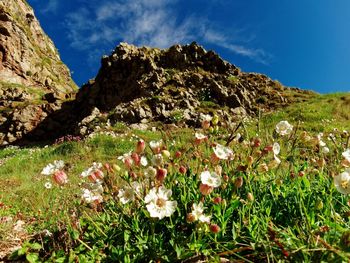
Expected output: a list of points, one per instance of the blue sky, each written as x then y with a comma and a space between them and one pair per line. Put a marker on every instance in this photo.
301, 43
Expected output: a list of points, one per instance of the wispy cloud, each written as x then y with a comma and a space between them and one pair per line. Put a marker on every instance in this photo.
223, 41
51, 6
155, 23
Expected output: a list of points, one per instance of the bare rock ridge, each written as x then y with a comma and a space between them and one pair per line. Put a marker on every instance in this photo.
141, 85
149, 84
33, 80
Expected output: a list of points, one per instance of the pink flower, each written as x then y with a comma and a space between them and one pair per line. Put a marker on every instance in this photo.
60, 177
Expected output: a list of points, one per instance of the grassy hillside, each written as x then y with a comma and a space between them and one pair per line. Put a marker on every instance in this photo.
262, 210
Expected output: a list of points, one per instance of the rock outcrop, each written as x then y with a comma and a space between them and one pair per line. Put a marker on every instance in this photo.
139, 85
33, 80
27, 55
136, 85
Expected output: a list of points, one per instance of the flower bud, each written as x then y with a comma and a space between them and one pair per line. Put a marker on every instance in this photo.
178, 154
250, 160
225, 177
239, 182
108, 167
136, 158
116, 167
95, 176
217, 200
128, 162
165, 153
267, 149
214, 228
319, 204
215, 120
321, 162
250, 197
214, 159
60, 177
182, 169
140, 146
161, 174
205, 125
205, 189
218, 169
263, 168
256, 143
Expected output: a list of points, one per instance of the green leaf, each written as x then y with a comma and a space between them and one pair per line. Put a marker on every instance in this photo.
35, 246
32, 257
75, 234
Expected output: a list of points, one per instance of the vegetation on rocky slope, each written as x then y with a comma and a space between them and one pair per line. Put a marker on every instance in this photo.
275, 197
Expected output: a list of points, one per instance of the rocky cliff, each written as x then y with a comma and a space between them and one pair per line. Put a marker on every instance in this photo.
141, 85
148, 84
33, 80
27, 55
134, 85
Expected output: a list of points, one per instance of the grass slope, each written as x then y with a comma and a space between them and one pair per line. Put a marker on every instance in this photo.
290, 213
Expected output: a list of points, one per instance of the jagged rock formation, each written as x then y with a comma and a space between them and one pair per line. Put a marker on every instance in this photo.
27, 55
33, 80
147, 84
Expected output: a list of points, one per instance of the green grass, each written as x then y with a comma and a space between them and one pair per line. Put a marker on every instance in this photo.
290, 213
317, 114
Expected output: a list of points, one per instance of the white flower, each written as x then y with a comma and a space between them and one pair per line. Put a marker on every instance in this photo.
90, 196
93, 171
144, 161
284, 128
200, 136
276, 148
319, 139
223, 152
126, 195
48, 185
96, 187
342, 182
52, 168
48, 169
211, 179
157, 159
125, 156
137, 187
150, 172
158, 204
325, 150
346, 155
155, 144
197, 212
205, 117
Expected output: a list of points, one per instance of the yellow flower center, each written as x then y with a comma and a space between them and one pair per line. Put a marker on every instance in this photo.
161, 202
344, 184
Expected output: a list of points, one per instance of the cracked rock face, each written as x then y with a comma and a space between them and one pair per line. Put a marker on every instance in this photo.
141, 84
27, 55
33, 80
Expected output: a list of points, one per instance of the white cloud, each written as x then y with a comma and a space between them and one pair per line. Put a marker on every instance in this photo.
152, 23
221, 40
51, 6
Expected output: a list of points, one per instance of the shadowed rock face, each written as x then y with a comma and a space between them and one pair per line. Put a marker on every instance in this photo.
27, 55
33, 80
142, 85
147, 84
